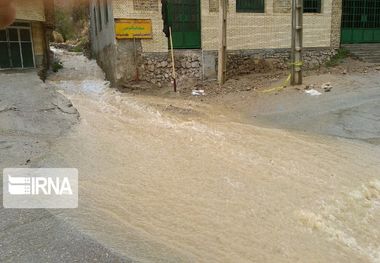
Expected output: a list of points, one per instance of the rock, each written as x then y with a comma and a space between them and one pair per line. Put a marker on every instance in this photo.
164, 64
57, 37
195, 64
327, 87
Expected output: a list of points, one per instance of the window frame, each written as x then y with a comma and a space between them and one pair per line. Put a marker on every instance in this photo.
310, 10
20, 26
260, 10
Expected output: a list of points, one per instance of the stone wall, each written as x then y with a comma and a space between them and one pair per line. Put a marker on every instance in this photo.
157, 67
257, 61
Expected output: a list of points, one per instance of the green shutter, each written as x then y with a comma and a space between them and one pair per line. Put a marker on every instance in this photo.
312, 6
4, 55
250, 6
361, 21
184, 18
16, 49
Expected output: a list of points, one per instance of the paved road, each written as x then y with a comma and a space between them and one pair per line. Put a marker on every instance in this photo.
350, 110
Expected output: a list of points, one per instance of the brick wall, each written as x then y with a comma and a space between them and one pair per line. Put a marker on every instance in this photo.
282, 6
30, 10
336, 23
267, 30
125, 9
145, 5
214, 5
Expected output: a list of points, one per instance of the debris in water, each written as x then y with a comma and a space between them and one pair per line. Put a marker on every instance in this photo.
198, 92
327, 87
313, 92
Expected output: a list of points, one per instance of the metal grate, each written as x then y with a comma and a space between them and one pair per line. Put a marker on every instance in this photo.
312, 6
250, 6
361, 14
184, 18
361, 21
16, 47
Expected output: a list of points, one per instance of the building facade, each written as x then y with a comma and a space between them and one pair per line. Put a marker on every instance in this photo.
258, 36
24, 44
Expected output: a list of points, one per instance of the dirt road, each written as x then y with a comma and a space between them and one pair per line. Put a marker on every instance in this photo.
167, 180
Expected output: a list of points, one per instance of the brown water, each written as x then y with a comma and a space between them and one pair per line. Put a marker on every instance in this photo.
200, 186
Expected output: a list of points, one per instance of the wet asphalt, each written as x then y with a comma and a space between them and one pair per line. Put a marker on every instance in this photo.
350, 110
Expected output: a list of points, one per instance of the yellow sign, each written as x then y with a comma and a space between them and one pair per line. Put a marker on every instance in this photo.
133, 28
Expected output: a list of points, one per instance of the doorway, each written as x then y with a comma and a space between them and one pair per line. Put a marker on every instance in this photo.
184, 16
361, 21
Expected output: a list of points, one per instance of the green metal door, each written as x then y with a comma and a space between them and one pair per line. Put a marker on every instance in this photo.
184, 18
361, 21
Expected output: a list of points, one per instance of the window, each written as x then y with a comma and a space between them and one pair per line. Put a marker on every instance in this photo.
16, 47
100, 16
312, 6
106, 11
250, 6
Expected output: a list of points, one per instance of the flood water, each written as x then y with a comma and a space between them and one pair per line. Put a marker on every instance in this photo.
201, 186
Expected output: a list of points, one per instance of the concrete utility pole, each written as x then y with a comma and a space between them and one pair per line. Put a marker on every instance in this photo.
222, 56
297, 37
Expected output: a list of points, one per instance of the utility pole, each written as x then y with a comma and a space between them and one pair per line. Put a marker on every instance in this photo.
222, 56
297, 39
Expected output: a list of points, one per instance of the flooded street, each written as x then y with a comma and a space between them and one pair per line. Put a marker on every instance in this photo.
171, 180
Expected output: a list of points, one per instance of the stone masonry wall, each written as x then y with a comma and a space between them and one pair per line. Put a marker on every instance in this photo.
270, 60
157, 67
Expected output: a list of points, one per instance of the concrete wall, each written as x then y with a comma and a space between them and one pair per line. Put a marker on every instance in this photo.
101, 39
245, 30
30, 10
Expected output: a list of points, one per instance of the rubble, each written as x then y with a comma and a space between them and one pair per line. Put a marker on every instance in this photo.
327, 87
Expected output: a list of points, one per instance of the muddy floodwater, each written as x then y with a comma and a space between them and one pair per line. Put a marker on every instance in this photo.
169, 180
